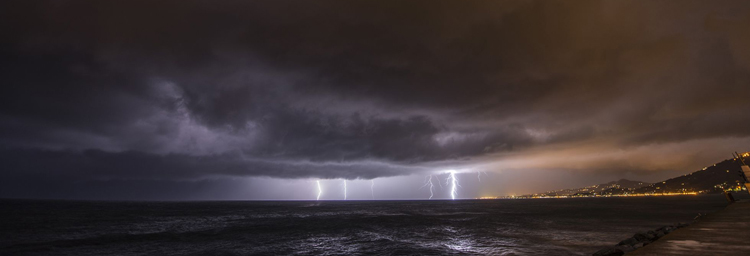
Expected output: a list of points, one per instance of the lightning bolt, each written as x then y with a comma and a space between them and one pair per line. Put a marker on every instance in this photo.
372, 188
320, 191
344, 189
479, 175
454, 183
428, 181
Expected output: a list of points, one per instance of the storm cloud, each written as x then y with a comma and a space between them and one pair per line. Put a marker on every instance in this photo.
181, 91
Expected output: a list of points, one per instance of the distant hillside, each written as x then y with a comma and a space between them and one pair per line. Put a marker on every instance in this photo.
620, 186
725, 175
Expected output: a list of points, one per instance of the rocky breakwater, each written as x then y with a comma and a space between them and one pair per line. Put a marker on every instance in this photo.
638, 240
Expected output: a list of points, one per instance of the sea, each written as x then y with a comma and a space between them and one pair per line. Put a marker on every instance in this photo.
572, 226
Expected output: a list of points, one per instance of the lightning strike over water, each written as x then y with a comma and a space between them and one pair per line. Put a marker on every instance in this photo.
372, 188
479, 175
344, 189
454, 184
320, 191
428, 181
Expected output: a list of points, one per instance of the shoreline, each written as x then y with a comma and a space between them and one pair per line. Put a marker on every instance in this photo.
641, 239
724, 232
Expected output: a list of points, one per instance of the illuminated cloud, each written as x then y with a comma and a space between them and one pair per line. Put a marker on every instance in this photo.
190, 92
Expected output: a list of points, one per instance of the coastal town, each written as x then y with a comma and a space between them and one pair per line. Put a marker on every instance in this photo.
725, 176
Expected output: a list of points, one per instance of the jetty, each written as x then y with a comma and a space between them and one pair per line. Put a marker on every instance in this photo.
726, 232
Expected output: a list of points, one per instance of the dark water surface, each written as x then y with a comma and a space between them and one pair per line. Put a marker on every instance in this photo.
497, 227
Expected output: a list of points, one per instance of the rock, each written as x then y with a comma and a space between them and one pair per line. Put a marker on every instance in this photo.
669, 229
641, 237
680, 225
639, 240
609, 251
629, 241
625, 248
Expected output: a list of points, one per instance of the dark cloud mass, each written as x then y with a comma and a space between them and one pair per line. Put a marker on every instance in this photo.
185, 92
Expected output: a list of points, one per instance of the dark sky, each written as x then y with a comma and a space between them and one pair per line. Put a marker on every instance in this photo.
259, 99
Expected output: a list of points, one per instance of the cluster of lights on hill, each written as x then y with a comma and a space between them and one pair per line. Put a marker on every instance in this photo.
576, 196
725, 176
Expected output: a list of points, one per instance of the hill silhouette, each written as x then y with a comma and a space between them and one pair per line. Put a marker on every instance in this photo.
722, 176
